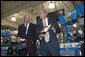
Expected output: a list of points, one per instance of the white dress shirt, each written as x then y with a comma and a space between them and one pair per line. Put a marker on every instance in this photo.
27, 27
47, 34
46, 20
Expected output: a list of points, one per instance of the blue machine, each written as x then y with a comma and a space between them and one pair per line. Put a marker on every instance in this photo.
70, 49
5, 33
70, 18
72, 15
5, 46
4, 51
80, 9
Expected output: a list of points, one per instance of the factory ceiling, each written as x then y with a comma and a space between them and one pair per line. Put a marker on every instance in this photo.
19, 8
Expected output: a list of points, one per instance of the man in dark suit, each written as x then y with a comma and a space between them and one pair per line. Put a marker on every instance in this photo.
27, 31
49, 45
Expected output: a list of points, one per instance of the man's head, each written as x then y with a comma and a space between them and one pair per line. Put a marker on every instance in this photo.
27, 18
43, 14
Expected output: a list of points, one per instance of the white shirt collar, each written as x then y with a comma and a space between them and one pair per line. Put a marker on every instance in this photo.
27, 24
45, 19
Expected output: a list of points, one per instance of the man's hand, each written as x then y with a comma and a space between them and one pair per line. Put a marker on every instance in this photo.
42, 35
18, 39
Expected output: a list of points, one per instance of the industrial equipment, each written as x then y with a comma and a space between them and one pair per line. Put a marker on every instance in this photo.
69, 48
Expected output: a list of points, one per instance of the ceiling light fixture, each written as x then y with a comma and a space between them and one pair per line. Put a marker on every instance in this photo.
13, 19
15, 31
51, 5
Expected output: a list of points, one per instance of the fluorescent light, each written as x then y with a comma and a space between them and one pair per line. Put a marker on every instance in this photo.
16, 31
13, 19
74, 25
51, 5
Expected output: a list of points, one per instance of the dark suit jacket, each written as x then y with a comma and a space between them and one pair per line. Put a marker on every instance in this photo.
53, 38
30, 33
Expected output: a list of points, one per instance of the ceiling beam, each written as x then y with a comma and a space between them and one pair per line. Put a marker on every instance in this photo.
63, 4
23, 7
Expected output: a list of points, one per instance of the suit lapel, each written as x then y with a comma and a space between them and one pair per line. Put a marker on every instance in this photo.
24, 28
41, 24
49, 22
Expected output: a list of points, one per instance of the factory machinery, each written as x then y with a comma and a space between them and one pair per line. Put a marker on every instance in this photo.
7, 48
72, 46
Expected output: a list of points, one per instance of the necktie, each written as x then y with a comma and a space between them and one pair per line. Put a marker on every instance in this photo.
47, 34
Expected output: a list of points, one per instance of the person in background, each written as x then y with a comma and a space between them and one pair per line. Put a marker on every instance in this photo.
49, 45
27, 31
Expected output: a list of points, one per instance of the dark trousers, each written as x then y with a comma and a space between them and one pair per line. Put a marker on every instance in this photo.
47, 49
